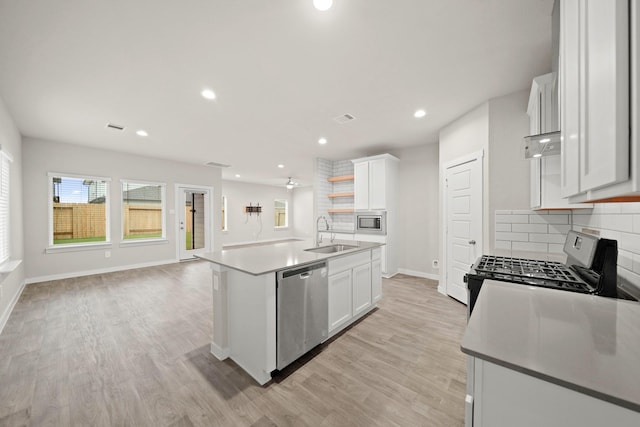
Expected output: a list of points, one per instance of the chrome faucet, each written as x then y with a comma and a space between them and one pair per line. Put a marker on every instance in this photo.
326, 224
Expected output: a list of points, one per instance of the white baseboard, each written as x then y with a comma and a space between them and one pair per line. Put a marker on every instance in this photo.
9, 309
219, 352
419, 274
69, 275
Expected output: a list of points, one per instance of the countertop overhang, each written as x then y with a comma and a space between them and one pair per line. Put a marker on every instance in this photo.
587, 343
263, 259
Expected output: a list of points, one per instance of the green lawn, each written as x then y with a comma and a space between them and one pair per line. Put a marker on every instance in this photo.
188, 240
143, 236
82, 240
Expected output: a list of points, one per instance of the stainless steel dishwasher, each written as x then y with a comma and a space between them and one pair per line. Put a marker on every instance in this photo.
302, 311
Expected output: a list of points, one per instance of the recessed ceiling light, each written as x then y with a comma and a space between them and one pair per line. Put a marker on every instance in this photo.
142, 132
537, 155
237, 175
322, 4
322, 141
281, 166
545, 140
419, 113
208, 94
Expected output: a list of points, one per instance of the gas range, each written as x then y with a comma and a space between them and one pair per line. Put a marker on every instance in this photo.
591, 268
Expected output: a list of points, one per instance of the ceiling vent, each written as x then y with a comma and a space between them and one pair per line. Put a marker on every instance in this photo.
344, 118
217, 165
114, 127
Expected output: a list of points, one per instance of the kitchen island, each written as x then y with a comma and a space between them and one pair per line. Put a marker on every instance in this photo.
547, 357
245, 303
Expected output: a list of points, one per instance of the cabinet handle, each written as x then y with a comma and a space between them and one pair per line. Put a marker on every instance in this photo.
472, 242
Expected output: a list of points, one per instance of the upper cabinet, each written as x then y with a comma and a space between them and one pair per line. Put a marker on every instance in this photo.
374, 180
598, 48
545, 171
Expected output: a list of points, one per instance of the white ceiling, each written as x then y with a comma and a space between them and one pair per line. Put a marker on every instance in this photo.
281, 71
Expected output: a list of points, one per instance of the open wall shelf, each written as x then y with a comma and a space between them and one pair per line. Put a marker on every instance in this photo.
341, 210
340, 178
335, 195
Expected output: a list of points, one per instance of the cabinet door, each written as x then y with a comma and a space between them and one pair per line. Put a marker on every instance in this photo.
361, 288
604, 158
594, 46
339, 299
377, 185
376, 281
570, 96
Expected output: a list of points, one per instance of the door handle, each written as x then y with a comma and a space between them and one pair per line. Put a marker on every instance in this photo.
472, 242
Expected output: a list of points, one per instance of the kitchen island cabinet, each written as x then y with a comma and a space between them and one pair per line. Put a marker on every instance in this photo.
245, 296
543, 357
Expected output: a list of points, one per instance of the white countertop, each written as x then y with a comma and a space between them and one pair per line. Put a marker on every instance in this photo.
264, 259
586, 343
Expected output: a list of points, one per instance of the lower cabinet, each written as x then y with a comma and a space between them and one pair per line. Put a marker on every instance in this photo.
504, 397
340, 306
355, 285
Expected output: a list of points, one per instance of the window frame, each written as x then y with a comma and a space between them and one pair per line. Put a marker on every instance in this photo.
163, 196
5, 223
225, 214
71, 247
286, 214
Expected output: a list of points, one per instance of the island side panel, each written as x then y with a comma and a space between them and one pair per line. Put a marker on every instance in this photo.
220, 340
251, 309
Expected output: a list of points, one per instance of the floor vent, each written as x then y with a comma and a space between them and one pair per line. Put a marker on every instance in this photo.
115, 127
344, 118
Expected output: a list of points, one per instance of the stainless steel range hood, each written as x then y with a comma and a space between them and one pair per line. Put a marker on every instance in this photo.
544, 144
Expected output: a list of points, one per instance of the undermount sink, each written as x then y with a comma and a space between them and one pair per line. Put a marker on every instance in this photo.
331, 249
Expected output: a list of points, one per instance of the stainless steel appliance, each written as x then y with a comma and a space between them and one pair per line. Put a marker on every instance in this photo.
591, 268
302, 311
371, 222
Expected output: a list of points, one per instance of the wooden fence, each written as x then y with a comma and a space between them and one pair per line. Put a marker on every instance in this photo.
87, 221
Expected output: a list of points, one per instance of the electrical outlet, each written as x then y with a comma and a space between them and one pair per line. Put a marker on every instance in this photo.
435, 264
107, 254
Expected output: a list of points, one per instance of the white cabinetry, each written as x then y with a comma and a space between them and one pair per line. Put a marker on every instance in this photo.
354, 288
376, 275
594, 98
545, 171
374, 182
505, 398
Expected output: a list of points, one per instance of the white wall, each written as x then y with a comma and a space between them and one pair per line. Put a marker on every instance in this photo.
303, 225
13, 282
419, 230
509, 179
244, 228
41, 157
468, 134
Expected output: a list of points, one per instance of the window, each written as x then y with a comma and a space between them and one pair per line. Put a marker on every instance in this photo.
79, 210
224, 213
5, 228
143, 211
282, 214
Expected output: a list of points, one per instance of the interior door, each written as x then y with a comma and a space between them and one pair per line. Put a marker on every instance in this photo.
463, 187
194, 219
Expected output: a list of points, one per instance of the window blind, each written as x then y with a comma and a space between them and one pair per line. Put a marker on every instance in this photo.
5, 164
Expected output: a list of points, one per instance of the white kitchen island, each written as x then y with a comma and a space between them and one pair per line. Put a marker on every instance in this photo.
244, 296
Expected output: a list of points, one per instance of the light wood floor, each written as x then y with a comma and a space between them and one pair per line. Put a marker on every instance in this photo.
132, 348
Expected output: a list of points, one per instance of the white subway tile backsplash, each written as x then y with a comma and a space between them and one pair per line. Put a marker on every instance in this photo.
530, 228
547, 238
529, 246
559, 229
630, 208
503, 227
556, 249
549, 219
514, 237
512, 219
625, 259
503, 244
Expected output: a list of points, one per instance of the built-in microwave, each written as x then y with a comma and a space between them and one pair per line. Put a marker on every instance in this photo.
371, 222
